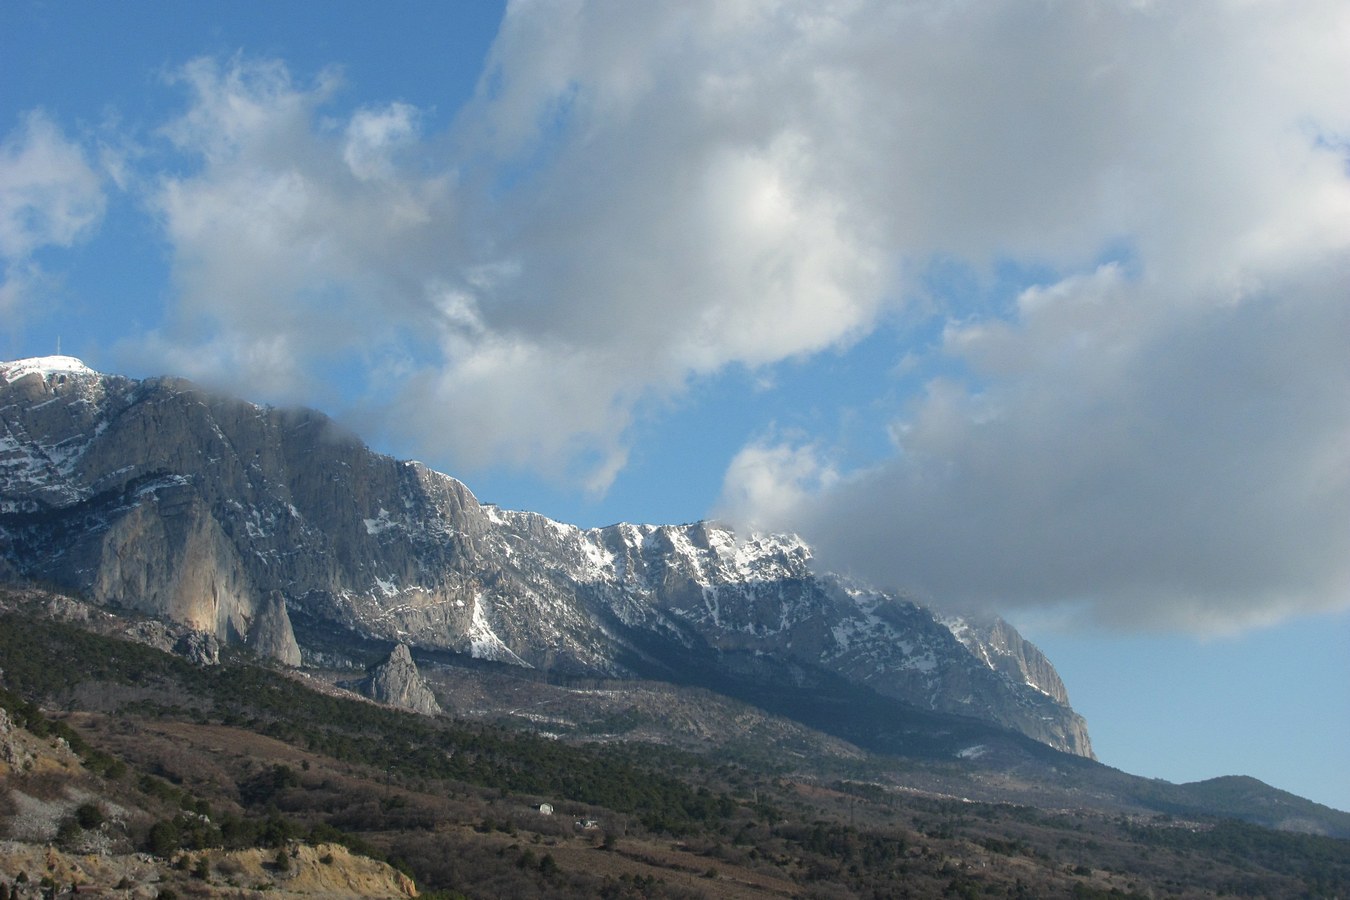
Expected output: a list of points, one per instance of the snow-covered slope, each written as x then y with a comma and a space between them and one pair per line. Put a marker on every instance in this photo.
157, 496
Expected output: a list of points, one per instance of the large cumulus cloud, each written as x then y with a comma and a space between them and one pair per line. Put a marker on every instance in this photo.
1145, 467
1161, 441
631, 200
1152, 427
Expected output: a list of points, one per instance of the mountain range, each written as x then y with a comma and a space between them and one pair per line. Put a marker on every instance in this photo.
266, 526
241, 650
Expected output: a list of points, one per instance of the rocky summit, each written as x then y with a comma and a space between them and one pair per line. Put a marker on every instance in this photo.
241, 521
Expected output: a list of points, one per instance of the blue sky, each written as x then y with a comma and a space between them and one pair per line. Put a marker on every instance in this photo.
1039, 308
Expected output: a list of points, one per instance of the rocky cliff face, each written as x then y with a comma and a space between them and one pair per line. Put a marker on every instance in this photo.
158, 497
998, 645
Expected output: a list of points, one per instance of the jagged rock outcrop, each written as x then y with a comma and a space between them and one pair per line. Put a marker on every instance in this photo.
157, 496
198, 648
271, 635
14, 756
396, 682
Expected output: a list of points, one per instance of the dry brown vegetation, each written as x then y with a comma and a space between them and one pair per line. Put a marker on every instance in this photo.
241, 780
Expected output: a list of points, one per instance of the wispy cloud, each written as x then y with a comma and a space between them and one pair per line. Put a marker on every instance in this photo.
297, 244
50, 196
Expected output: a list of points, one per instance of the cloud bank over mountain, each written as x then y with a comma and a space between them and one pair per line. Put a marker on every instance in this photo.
1129, 221
1145, 467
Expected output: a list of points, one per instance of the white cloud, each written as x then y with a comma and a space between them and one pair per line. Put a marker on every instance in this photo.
1160, 443
49, 197
644, 194
297, 245
374, 135
768, 483
1146, 467
605, 256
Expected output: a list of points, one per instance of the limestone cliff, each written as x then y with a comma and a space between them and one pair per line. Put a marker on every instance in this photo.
1004, 651
166, 555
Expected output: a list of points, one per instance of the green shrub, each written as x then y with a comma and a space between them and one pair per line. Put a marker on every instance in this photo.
163, 839
89, 816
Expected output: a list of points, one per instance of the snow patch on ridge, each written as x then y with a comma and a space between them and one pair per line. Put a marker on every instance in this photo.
766, 557
962, 631
30, 466
483, 641
380, 524
44, 366
597, 562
